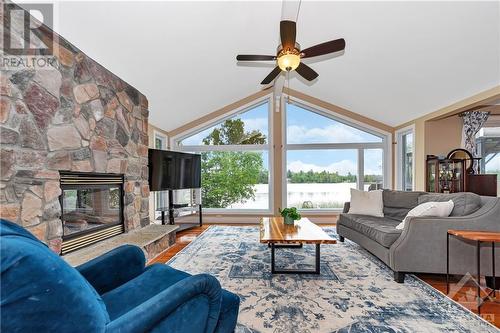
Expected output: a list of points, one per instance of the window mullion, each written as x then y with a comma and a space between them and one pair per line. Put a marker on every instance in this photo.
324, 146
361, 169
202, 148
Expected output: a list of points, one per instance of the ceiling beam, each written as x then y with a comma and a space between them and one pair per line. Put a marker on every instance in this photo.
486, 97
337, 109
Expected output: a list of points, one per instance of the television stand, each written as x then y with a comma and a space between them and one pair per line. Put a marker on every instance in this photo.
180, 208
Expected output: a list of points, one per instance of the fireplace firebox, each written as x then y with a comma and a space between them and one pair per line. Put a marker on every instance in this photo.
92, 208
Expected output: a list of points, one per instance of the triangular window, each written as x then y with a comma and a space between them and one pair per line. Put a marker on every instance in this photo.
304, 126
249, 127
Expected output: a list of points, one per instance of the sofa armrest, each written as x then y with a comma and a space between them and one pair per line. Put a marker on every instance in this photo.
162, 306
347, 206
423, 240
113, 268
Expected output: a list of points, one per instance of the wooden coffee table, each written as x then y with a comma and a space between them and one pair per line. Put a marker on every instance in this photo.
488, 237
277, 234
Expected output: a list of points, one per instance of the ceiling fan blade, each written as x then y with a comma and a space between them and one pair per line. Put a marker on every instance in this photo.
275, 72
324, 48
306, 72
254, 57
288, 33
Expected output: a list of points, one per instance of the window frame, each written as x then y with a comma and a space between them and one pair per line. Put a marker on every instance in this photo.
492, 122
176, 140
159, 196
399, 134
163, 138
385, 145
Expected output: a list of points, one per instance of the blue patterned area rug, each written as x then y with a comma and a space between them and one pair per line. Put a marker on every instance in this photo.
354, 293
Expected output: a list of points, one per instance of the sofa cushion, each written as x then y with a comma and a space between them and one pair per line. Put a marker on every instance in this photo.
380, 229
431, 208
397, 204
367, 202
465, 203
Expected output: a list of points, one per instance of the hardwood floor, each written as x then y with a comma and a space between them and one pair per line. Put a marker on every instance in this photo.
466, 296
183, 238
490, 311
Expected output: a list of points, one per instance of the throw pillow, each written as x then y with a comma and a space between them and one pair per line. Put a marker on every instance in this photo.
434, 209
367, 203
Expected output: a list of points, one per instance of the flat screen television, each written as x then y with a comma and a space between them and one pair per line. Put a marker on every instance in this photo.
172, 170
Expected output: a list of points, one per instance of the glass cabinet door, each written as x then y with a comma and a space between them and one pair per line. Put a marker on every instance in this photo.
431, 176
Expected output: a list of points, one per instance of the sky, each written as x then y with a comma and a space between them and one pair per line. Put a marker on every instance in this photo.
304, 126
493, 164
255, 119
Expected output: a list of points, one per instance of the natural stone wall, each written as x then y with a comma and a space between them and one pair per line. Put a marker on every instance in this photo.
153, 249
74, 116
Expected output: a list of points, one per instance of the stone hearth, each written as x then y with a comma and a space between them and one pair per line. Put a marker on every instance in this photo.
76, 116
152, 239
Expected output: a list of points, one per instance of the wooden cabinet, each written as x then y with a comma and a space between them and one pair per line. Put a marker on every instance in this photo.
482, 184
450, 176
445, 175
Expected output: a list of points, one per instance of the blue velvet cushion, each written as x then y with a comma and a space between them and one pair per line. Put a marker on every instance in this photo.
42, 293
228, 317
158, 278
190, 305
113, 268
151, 282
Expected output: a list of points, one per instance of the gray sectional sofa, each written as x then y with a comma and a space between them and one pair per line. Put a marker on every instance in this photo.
421, 246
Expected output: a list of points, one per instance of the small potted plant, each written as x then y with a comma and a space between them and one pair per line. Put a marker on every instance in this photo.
290, 215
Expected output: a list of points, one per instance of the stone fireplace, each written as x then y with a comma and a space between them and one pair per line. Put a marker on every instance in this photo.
75, 116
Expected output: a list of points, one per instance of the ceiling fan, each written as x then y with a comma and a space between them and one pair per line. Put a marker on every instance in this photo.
289, 55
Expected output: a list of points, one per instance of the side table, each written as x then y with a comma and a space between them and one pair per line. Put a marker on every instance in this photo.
478, 237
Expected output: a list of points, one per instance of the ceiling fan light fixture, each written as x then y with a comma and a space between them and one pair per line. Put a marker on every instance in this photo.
288, 60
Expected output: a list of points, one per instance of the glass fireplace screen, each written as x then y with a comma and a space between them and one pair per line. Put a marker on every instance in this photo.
85, 209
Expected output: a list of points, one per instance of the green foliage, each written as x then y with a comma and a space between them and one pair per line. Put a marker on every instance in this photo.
310, 176
229, 177
291, 213
232, 132
373, 178
319, 177
263, 177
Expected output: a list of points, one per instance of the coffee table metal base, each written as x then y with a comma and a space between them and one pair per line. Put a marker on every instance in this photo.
316, 269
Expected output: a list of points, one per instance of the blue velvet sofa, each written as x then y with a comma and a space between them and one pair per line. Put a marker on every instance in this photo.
116, 292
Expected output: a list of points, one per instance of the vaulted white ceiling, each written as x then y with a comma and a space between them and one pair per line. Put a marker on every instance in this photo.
402, 60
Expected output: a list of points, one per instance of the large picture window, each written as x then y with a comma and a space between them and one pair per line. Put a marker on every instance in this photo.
326, 157
404, 159
235, 160
321, 157
488, 147
320, 178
